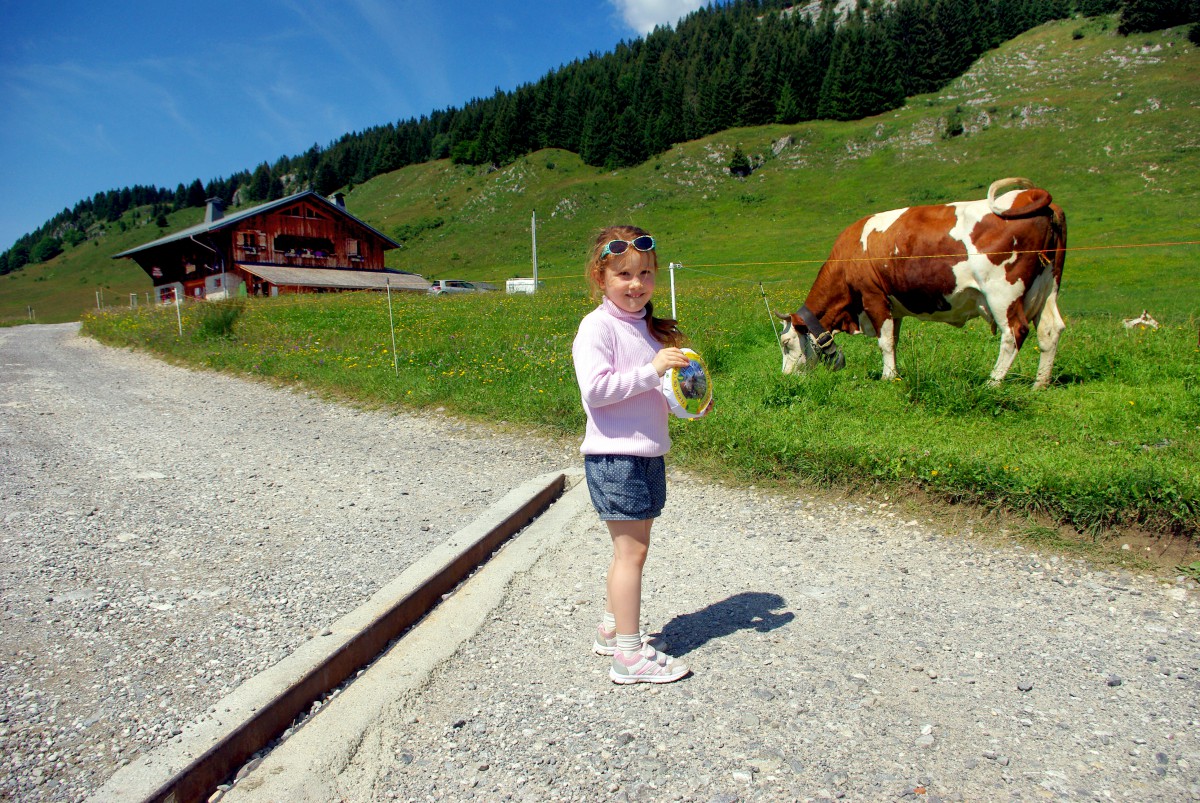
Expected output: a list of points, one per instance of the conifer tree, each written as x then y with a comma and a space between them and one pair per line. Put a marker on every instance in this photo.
1138, 16
758, 89
627, 147
596, 139
195, 194
260, 183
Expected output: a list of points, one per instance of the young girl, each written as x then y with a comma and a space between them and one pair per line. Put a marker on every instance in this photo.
621, 353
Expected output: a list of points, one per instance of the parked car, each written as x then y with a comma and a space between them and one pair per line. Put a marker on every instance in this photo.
439, 286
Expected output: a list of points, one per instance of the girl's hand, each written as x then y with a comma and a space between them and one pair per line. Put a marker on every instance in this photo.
669, 358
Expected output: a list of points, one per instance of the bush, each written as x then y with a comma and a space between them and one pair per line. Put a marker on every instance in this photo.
954, 124
217, 319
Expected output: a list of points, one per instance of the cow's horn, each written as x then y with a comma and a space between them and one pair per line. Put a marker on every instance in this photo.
1014, 181
783, 316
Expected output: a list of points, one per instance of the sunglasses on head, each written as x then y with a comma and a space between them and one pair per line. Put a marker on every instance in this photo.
643, 243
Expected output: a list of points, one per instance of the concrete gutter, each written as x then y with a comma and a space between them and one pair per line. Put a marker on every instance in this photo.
308, 767
210, 750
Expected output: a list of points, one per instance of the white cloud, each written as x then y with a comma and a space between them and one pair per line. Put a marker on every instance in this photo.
643, 15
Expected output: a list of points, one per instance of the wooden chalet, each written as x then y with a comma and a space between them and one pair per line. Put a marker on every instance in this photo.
304, 243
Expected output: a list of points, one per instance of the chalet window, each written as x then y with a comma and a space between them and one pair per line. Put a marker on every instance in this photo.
304, 211
353, 250
295, 245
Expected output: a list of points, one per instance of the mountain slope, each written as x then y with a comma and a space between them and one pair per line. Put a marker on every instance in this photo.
1108, 124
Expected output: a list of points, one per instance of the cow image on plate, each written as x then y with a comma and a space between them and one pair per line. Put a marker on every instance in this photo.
688, 389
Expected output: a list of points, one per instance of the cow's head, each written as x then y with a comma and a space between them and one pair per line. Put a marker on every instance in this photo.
801, 349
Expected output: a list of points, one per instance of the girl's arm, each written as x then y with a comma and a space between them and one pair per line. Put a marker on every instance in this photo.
600, 383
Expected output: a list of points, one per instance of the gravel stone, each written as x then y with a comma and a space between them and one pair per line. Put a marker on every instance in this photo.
167, 534
843, 649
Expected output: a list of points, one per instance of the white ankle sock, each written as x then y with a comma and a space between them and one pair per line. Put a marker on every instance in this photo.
610, 621
630, 645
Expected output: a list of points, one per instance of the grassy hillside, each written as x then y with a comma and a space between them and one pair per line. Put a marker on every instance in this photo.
1108, 124
67, 286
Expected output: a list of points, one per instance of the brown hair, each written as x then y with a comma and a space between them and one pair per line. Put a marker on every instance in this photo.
663, 330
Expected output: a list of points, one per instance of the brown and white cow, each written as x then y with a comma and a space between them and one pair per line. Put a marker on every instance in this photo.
1000, 258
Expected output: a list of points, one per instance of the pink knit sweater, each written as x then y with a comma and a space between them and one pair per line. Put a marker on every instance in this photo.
622, 396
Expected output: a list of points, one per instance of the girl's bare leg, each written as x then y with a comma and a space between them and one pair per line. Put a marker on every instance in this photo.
631, 543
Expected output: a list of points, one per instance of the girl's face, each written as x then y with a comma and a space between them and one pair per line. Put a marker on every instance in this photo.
628, 280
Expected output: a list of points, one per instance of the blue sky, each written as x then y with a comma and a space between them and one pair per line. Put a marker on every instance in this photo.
101, 96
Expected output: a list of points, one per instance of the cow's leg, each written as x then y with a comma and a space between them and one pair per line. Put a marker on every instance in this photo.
1013, 330
889, 335
1049, 325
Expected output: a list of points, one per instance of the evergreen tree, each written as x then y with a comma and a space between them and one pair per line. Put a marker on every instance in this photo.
387, 158
1094, 8
325, 178
1138, 16
195, 194
787, 110
758, 89
627, 147
596, 139
260, 183
815, 52
739, 165
18, 255
46, 249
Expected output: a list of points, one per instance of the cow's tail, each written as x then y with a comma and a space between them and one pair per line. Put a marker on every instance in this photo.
1055, 249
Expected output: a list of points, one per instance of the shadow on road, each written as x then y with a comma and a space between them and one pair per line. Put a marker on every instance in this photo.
750, 610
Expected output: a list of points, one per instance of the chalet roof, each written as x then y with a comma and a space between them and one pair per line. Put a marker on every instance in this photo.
335, 278
270, 206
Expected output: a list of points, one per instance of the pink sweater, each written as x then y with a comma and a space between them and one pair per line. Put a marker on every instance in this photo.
622, 396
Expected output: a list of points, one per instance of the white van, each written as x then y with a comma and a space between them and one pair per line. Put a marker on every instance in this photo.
521, 286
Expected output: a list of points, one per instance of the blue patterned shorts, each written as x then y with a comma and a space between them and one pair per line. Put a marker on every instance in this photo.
626, 487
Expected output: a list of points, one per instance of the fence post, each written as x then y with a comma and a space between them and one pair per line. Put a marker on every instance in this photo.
392, 326
672, 269
771, 318
178, 316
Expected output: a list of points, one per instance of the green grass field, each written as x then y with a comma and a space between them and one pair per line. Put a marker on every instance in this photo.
1108, 124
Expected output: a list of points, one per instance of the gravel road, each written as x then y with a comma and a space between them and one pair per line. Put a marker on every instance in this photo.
168, 533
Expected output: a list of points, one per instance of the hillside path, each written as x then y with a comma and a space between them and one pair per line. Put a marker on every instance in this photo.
847, 650
165, 534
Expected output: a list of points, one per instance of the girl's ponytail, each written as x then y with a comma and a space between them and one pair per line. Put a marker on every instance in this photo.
664, 330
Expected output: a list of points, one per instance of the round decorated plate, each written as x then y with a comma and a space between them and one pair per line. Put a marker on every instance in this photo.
689, 389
